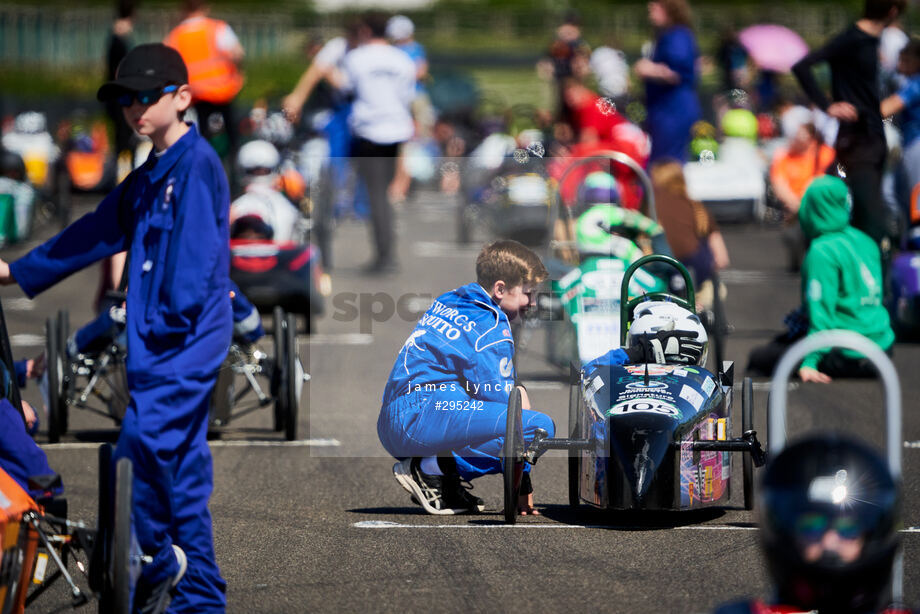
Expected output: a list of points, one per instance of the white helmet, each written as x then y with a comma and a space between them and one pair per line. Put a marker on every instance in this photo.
399, 28
256, 155
30, 122
650, 317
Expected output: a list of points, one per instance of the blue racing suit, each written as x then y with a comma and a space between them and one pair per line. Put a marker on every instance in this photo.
449, 388
172, 215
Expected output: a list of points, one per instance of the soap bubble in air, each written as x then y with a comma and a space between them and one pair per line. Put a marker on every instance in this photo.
606, 106
707, 157
521, 156
536, 148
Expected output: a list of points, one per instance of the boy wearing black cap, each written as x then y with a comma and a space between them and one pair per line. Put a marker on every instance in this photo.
172, 215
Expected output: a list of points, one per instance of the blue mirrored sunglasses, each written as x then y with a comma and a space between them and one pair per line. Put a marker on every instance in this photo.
145, 97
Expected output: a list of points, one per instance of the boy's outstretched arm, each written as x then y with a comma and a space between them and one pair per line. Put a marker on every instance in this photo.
91, 238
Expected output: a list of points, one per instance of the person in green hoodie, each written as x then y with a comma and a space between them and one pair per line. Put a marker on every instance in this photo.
841, 288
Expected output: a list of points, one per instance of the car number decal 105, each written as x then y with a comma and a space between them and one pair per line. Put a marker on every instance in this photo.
658, 407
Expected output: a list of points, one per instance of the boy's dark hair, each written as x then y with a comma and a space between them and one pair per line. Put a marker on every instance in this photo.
510, 262
376, 22
880, 9
125, 9
571, 18
191, 6
912, 49
679, 12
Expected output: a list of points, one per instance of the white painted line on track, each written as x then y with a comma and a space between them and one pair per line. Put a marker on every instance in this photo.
300, 443
738, 276
27, 340
341, 339
18, 304
388, 524
538, 385
912, 444
766, 386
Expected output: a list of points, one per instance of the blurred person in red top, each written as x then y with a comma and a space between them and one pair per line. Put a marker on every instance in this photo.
598, 128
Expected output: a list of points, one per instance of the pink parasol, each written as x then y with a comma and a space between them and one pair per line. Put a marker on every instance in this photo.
773, 47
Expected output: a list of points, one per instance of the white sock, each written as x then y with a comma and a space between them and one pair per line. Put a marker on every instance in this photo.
429, 465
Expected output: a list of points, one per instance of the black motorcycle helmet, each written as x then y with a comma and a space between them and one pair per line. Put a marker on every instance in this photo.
829, 515
11, 165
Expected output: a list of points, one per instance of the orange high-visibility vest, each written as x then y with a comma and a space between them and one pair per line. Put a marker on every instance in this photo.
211, 76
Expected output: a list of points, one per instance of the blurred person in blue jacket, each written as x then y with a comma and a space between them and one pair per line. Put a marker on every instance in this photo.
670, 79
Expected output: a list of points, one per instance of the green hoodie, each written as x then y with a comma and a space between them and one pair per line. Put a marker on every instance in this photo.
842, 272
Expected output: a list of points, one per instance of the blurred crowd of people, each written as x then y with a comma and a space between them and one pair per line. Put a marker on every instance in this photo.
365, 108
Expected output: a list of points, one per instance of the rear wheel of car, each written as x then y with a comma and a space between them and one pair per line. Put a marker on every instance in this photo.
121, 538
66, 371
56, 425
513, 456
575, 429
291, 387
747, 424
278, 342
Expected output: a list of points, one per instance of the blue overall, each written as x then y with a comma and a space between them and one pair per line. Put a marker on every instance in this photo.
672, 109
20, 457
449, 388
172, 214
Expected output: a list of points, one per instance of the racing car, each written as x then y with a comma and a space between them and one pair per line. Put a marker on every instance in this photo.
286, 275
95, 379
40, 541
39, 544
646, 436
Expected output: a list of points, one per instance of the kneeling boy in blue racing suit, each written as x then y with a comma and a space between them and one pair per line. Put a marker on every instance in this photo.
445, 402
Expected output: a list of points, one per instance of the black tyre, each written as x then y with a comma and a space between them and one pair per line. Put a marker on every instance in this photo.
63, 197
276, 385
290, 388
66, 372
575, 455
747, 424
98, 567
720, 323
512, 456
121, 538
55, 391
222, 395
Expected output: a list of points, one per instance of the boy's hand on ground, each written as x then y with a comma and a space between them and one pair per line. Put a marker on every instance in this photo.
35, 367
6, 277
807, 374
525, 506
29, 414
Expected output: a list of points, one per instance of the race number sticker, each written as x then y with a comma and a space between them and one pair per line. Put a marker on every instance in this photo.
653, 406
691, 396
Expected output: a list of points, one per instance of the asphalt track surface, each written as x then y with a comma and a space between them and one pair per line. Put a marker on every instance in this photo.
321, 525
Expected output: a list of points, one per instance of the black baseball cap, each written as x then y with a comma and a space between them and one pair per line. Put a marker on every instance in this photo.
146, 67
